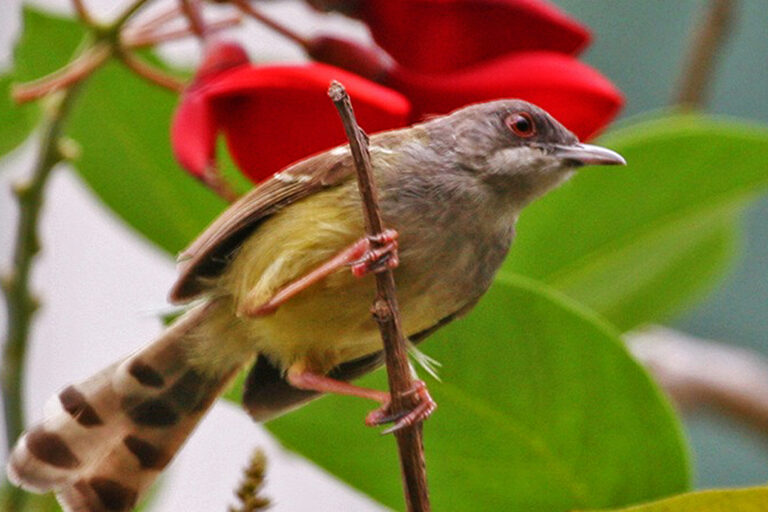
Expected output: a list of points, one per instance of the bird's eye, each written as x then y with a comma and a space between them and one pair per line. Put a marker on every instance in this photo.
521, 124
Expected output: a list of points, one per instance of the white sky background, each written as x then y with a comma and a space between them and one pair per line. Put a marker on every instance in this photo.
101, 287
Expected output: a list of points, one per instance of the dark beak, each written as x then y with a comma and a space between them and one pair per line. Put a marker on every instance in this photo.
587, 154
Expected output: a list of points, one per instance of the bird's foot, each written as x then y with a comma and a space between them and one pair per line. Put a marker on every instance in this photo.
420, 412
379, 253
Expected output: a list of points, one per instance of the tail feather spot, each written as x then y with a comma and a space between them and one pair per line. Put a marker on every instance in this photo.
154, 412
148, 455
75, 403
145, 374
51, 449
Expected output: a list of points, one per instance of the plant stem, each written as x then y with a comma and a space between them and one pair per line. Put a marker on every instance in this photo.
386, 312
20, 303
706, 42
126, 15
281, 29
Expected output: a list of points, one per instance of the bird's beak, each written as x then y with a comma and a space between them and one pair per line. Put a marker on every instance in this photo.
587, 154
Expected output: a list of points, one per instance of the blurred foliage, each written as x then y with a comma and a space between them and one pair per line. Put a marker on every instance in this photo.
636, 243
732, 500
540, 408
541, 405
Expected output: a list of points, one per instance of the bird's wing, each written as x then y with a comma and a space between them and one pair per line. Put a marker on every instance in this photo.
211, 252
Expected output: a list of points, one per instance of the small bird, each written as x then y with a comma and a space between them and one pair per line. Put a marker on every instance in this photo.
271, 284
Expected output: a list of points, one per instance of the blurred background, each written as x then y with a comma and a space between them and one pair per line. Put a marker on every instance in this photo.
102, 287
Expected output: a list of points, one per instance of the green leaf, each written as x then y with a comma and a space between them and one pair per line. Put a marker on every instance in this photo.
541, 408
16, 121
636, 243
122, 124
730, 500
47, 42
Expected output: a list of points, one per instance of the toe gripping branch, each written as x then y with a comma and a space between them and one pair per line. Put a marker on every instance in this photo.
370, 254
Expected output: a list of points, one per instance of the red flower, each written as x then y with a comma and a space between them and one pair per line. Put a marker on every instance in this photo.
445, 35
443, 54
271, 115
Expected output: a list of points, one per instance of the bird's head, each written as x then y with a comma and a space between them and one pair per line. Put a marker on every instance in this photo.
517, 148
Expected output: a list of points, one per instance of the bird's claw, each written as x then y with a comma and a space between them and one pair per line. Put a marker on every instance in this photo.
420, 412
380, 254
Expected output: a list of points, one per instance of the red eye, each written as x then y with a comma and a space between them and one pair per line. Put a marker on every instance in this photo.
521, 124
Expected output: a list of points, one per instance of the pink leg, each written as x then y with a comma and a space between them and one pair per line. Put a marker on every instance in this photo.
423, 409
314, 382
364, 256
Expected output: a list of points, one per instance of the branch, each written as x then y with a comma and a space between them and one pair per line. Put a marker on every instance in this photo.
191, 10
75, 71
246, 8
151, 73
387, 314
705, 43
144, 39
697, 373
19, 301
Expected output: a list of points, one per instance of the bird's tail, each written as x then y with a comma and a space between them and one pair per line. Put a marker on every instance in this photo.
105, 440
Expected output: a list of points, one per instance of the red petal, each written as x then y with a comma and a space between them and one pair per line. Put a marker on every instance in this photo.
273, 116
193, 134
575, 94
370, 62
220, 56
444, 35
193, 128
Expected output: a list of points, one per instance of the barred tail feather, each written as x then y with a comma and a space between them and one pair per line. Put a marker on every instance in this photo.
105, 440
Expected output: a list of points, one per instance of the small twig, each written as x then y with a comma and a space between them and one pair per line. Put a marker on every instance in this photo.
126, 15
249, 491
144, 39
191, 10
75, 71
155, 22
698, 373
705, 43
151, 73
254, 13
387, 314
82, 12
20, 303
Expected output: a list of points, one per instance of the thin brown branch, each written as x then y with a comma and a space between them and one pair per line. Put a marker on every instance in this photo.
151, 73
73, 72
387, 314
700, 373
706, 42
82, 12
144, 39
254, 13
156, 21
191, 10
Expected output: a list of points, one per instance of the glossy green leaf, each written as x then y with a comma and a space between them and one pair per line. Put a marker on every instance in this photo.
16, 121
727, 500
541, 408
635, 243
46, 42
122, 124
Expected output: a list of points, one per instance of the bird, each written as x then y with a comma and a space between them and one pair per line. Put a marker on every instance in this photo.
282, 281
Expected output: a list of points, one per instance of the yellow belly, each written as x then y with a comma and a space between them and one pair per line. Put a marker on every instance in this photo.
330, 322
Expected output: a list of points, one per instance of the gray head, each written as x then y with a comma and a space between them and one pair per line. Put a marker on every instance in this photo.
515, 147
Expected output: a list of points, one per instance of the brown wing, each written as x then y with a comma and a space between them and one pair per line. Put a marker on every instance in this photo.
212, 251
